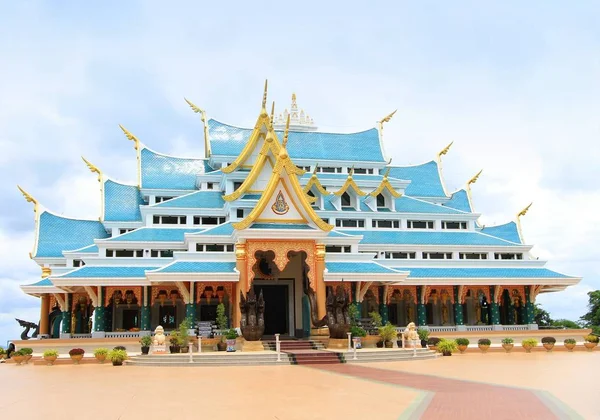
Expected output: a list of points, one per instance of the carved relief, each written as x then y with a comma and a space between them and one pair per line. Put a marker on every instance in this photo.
412, 290
216, 290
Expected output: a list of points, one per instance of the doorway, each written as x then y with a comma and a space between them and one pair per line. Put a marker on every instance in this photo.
277, 307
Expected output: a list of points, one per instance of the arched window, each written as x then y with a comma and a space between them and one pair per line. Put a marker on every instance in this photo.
380, 201
346, 202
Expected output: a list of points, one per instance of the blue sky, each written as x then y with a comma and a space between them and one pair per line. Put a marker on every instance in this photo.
514, 85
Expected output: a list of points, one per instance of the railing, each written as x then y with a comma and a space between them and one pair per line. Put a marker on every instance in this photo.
446, 328
515, 327
81, 335
123, 334
479, 327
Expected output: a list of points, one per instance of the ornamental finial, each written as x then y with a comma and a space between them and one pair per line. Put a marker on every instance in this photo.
131, 137
29, 199
194, 107
315, 170
287, 129
475, 178
46, 272
93, 168
387, 172
202, 113
272, 113
351, 173
388, 117
445, 150
524, 211
264, 101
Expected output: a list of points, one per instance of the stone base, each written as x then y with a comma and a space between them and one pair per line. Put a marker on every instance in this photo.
252, 346
323, 331
98, 334
338, 343
159, 349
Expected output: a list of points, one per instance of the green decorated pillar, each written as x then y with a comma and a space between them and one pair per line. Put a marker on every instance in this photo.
66, 315
529, 315
99, 310
421, 308
494, 310
190, 307
383, 309
459, 318
145, 313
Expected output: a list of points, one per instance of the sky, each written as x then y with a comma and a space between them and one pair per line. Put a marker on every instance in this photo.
514, 84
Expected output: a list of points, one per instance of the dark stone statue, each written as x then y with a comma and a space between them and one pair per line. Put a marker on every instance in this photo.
252, 321
28, 326
338, 318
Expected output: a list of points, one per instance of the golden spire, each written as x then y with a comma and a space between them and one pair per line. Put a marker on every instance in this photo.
524, 211
519, 214
444, 150
29, 199
264, 101
286, 133
475, 178
202, 113
385, 119
272, 113
131, 137
93, 168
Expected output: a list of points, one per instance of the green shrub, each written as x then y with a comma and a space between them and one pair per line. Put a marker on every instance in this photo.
231, 334
101, 352
445, 346
353, 314
120, 348
117, 355
591, 338
2, 351
508, 340
174, 338
221, 317
146, 341
376, 318
548, 340
484, 342
529, 342
27, 351
76, 352
18, 353
357, 331
462, 341
423, 334
388, 332
433, 341
570, 341
50, 353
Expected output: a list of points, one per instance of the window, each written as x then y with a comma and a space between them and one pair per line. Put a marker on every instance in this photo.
327, 170
346, 202
338, 248
472, 256
350, 223
507, 256
380, 201
312, 194
161, 199
386, 223
454, 225
169, 220
325, 219
122, 231
437, 255
304, 168
209, 185
125, 253
240, 213
209, 220
237, 185
401, 255
214, 247
419, 224
78, 263
358, 170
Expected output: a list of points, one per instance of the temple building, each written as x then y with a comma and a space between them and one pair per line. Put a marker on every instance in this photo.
288, 210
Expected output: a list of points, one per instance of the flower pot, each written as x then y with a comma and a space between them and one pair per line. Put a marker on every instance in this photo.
18, 359
424, 344
590, 346
484, 347
28, 358
399, 343
50, 360
389, 344
145, 349
101, 358
76, 358
174, 349
527, 348
117, 363
221, 346
462, 348
357, 342
184, 349
570, 347
548, 346
508, 347
379, 344
447, 353
231, 345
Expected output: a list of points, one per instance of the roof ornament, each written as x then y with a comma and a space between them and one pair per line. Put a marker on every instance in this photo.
475, 178
519, 214
468, 188
93, 168
444, 151
30, 199
385, 119
46, 272
299, 120
524, 211
264, 101
315, 170
202, 113
351, 172
272, 113
285, 135
131, 137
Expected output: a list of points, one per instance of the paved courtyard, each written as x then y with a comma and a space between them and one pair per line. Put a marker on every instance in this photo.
528, 386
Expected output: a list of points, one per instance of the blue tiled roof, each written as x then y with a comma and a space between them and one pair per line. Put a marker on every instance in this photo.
225, 229
357, 267
279, 226
122, 202
425, 179
327, 204
42, 283
406, 204
226, 140
57, 234
336, 234
199, 267
250, 197
92, 249
168, 172
107, 272
196, 200
357, 177
460, 201
148, 234
508, 231
484, 273
401, 237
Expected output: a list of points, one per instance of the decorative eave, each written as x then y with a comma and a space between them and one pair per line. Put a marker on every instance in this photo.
314, 181
207, 151
101, 180
350, 183
522, 213
439, 165
36, 214
468, 188
137, 145
385, 185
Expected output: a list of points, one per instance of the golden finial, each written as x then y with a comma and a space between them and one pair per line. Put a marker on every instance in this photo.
524, 211
387, 118
293, 97
46, 272
445, 150
131, 137
387, 172
351, 173
194, 107
202, 113
287, 129
29, 199
315, 170
264, 101
475, 178
272, 113
93, 168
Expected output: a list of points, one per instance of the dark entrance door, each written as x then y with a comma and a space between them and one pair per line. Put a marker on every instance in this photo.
276, 308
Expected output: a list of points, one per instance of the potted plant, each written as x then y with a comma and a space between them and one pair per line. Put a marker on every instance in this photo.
117, 357
388, 334
146, 341
357, 333
174, 341
100, 354
18, 356
28, 353
2, 353
570, 343
548, 343
447, 347
529, 343
462, 344
184, 336
76, 355
432, 343
508, 344
423, 336
222, 326
50, 356
591, 341
484, 344
231, 335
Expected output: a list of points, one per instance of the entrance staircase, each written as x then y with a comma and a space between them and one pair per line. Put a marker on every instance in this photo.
306, 352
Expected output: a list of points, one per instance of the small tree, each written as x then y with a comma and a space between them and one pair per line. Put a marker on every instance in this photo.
221, 317
592, 318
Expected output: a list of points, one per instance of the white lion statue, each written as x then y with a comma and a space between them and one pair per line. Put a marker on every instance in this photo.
159, 336
410, 332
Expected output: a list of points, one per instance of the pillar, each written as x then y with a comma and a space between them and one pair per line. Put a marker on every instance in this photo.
494, 310
242, 286
145, 313
320, 281
383, 308
99, 324
529, 317
421, 308
44, 312
66, 315
459, 318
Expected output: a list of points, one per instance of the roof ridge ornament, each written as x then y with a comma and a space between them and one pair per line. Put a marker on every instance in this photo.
385, 119
519, 215
474, 179
93, 168
524, 211
197, 110
264, 100
136, 146
272, 113
29, 198
299, 120
468, 189
444, 151
131, 137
